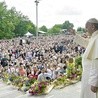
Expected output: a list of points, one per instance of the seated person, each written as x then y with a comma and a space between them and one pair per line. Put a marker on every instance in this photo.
44, 76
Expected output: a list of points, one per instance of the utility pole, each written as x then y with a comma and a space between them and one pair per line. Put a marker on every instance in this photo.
37, 1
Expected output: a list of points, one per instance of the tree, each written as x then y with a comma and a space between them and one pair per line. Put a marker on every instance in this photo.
55, 29
24, 26
43, 28
13, 23
31, 28
6, 25
67, 25
81, 30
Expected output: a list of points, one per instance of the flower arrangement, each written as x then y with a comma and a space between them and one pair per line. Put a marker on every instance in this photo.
39, 88
12, 77
61, 82
23, 83
74, 70
73, 74
5, 77
78, 61
18, 82
27, 84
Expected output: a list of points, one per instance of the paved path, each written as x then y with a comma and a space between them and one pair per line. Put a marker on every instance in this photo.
72, 91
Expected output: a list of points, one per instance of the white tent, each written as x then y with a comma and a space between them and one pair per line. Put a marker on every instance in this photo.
28, 34
42, 32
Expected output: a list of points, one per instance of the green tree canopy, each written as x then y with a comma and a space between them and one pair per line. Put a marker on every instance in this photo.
55, 29
81, 30
43, 28
67, 25
13, 23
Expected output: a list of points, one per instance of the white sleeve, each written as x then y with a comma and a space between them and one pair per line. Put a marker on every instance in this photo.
93, 79
81, 41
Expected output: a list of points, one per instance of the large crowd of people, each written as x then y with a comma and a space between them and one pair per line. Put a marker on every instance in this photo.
44, 58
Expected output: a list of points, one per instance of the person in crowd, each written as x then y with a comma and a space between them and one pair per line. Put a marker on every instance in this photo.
22, 71
4, 61
43, 76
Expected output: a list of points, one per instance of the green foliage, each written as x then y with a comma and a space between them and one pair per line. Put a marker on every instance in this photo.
29, 82
58, 27
67, 25
70, 70
31, 28
78, 61
12, 77
5, 77
39, 88
13, 23
23, 26
55, 29
43, 28
74, 70
78, 65
80, 30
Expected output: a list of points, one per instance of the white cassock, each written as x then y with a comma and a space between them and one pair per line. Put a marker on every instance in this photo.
90, 68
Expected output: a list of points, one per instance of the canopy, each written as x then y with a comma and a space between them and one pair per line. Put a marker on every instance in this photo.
42, 32
28, 34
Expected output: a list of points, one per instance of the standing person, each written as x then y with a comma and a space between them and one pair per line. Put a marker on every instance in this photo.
90, 62
89, 82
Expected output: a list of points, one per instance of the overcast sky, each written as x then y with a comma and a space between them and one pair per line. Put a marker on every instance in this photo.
51, 12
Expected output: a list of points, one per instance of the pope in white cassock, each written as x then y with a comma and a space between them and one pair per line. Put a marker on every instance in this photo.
89, 82
90, 62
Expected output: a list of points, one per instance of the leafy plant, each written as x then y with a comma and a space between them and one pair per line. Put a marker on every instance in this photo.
78, 61
38, 88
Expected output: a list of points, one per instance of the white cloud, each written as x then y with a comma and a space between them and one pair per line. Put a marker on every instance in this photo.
68, 10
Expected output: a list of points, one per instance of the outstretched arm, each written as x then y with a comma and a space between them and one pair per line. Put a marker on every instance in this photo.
81, 40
